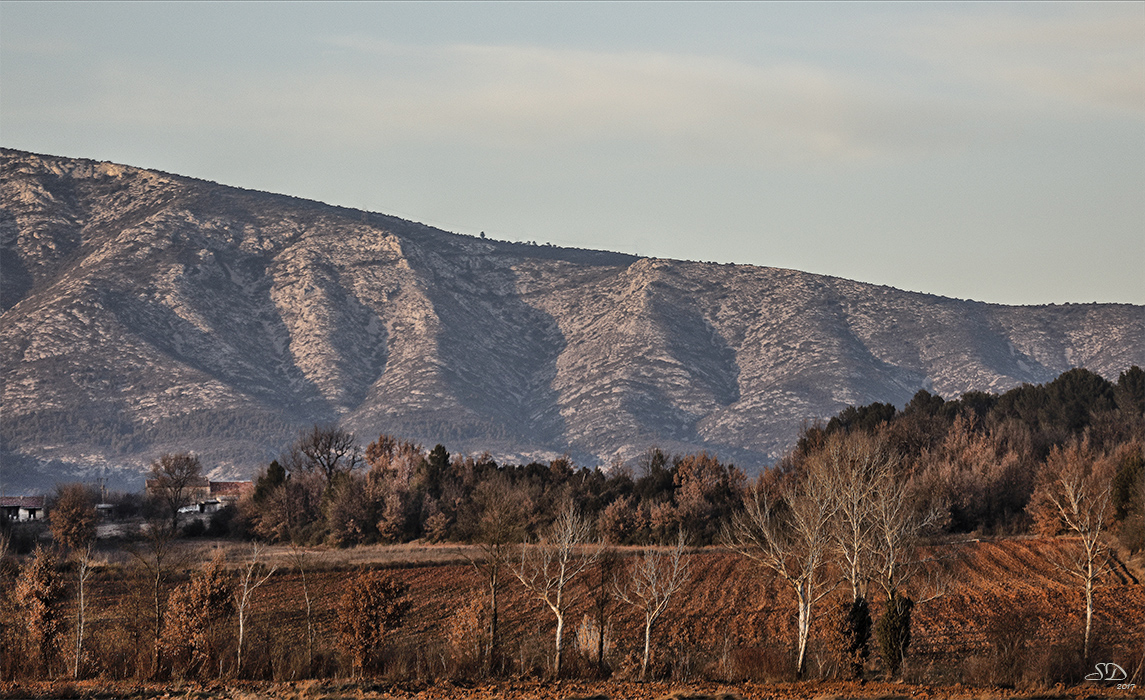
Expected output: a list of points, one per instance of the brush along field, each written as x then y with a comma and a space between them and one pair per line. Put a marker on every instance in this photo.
1000, 615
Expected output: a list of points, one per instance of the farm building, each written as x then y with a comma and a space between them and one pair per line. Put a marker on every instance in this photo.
197, 490
205, 496
22, 508
226, 492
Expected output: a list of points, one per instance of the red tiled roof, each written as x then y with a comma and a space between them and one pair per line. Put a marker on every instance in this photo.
21, 501
230, 488
214, 489
194, 483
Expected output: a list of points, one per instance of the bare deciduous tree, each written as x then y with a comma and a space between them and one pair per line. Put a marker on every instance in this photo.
602, 595
788, 531
854, 466
290, 508
83, 555
899, 524
547, 568
298, 556
895, 526
500, 525
326, 449
253, 574
1074, 494
173, 477
157, 555
73, 526
874, 529
8, 617
655, 577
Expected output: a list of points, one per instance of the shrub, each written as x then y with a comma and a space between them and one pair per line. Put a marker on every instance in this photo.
588, 636
467, 632
226, 522
893, 632
854, 620
372, 604
195, 528
39, 590
195, 612
1009, 633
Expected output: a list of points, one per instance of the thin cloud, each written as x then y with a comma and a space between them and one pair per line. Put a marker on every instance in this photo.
522, 96
679, 107
1094, 61
673, 108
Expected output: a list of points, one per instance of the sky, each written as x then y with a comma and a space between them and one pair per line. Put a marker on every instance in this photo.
987, 151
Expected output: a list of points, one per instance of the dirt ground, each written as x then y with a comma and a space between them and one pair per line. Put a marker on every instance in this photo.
536, 690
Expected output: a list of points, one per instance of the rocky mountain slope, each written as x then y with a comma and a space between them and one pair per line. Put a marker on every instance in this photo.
146, 312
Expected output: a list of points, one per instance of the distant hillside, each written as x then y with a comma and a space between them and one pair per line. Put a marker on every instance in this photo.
145, 312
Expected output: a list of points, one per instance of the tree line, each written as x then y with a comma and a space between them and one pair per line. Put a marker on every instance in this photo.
974, 460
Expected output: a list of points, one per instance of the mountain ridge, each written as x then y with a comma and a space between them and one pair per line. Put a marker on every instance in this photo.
165, 312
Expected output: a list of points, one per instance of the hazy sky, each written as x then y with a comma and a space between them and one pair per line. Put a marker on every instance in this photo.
992, 151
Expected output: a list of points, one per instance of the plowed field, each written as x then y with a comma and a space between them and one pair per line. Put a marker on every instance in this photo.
733, 623
732, 604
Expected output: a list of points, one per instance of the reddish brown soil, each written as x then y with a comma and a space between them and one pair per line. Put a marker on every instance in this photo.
539, 690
